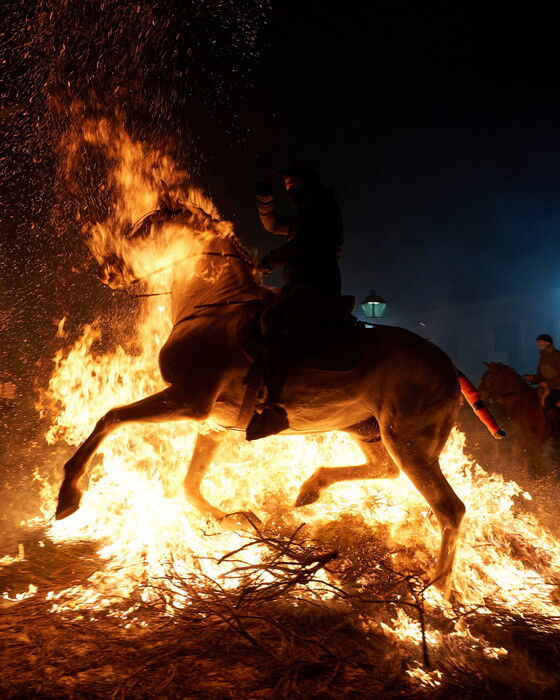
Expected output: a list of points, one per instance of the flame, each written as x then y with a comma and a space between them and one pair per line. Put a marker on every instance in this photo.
134, 506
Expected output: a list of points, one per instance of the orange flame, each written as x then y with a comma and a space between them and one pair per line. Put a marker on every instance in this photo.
134, 505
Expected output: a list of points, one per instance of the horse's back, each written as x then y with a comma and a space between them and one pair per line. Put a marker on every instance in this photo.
408, 369
376, 347
396, 374
403, 354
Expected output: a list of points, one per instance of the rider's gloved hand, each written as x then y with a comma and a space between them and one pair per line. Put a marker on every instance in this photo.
264, 189
266, 265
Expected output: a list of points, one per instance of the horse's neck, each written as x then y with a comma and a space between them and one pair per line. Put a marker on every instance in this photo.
517, 396
516, 382
507, 381
222, 276
525, 411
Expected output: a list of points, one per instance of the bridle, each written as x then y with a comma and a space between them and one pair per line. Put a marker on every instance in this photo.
509, 393
225, 302
166, 267
170, 213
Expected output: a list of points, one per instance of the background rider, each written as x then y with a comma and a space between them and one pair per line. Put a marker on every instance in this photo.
548, 372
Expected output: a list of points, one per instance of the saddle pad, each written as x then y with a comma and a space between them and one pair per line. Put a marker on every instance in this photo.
343, 355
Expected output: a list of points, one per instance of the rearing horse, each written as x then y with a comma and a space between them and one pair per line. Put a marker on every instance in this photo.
398, 399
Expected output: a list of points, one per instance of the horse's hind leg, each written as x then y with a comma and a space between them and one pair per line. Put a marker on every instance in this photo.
418, 459
379, 465
163, 406
204, 450
449, 511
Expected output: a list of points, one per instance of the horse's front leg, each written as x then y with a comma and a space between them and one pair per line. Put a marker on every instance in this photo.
204, 450
379, 465
163, 406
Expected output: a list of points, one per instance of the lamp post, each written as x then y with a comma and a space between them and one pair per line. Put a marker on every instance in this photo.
373, 306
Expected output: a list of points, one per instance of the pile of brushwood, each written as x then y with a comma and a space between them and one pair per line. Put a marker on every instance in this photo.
310, 620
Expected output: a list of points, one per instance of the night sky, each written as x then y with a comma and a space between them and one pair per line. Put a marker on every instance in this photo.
437, 125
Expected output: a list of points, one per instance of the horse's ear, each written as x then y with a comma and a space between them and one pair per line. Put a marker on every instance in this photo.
487, 364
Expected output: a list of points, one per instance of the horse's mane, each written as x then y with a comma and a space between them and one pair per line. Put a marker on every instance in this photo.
501, 367
244, 252
220, 228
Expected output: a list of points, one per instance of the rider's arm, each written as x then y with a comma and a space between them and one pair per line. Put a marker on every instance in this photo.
536, 378
276, 258
272, 222
555, 363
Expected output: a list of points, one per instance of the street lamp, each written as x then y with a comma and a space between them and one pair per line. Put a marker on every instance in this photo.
373, 305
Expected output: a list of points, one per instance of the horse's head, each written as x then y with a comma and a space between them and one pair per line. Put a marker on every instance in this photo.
114, 270
499, 380
197, 254
168, 209
116, 273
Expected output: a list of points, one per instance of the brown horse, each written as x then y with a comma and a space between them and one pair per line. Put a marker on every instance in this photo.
535, 430
398, 397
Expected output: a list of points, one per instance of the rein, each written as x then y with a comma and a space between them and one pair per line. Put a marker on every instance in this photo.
218, 303
228, 303
509, 393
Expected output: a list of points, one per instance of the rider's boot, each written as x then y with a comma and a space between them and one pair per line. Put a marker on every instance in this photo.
271, 417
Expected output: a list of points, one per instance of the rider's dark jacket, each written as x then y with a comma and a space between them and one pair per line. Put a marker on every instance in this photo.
549, 368
310, 255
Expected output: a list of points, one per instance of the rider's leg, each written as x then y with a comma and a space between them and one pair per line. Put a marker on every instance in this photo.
275, 365
285, 326
273, 419
552, 411
284, 343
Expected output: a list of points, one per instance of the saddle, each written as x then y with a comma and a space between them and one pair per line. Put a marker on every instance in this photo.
316, 337
331, 341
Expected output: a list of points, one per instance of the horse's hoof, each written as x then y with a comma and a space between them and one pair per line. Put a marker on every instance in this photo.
308, 493
442, 583
242, 520
305, 498
69, 499
61, 514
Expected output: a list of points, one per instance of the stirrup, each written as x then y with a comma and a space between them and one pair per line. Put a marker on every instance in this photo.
270, 421
265, 405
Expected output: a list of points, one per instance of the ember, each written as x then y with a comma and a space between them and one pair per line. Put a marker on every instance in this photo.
137, 595
354, 563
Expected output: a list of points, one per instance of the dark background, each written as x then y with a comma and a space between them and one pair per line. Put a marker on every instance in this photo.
437, 125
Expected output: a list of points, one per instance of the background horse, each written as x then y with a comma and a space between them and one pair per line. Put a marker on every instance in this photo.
535, 432
398, 397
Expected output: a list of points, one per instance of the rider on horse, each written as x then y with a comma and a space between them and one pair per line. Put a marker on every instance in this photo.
548, 378
309, 259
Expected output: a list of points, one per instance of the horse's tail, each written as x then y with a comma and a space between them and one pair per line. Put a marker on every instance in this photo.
477, 404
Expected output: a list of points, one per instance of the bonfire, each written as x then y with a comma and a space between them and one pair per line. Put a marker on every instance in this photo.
137, 595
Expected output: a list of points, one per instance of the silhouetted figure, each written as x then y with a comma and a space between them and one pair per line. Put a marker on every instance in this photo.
309, 259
